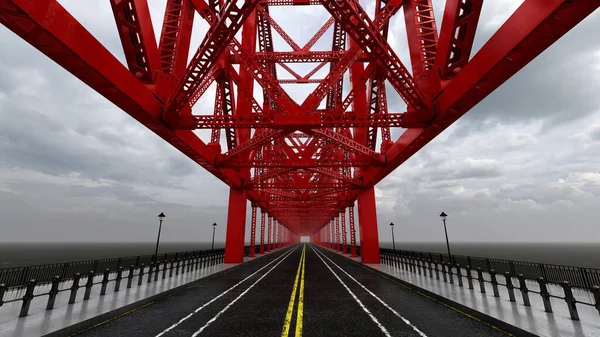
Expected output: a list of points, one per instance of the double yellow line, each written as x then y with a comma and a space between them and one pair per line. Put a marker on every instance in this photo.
288, 316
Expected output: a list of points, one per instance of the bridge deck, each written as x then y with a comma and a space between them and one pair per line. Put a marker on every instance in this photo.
334, 297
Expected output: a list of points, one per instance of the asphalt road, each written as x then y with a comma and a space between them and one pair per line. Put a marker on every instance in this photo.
302, 290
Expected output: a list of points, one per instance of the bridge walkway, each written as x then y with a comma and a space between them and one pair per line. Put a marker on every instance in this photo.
302, 290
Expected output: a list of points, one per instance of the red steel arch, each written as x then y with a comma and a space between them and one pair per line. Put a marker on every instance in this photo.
303, 164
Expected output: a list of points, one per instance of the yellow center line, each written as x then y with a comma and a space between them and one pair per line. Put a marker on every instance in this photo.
288, 315
300, 301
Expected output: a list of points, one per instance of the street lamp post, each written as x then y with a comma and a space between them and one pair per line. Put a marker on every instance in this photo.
161, 217
443, 216
393, 241
213, 240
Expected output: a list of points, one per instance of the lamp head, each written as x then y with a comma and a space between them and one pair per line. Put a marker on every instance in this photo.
214, 224
161, 216
443, 216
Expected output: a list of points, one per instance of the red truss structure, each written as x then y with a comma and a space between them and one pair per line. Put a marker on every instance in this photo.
304, 165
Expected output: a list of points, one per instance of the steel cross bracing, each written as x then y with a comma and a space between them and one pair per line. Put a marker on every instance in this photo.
302, 164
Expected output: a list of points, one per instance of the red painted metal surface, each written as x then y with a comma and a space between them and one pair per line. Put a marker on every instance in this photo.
301, 163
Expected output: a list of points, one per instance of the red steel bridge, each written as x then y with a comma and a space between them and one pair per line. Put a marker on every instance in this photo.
303, 164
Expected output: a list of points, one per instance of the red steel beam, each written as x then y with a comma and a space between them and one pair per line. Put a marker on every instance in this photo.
134, 25
216, 41
457, 35
175, 37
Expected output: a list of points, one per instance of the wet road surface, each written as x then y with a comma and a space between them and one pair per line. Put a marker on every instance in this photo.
302, 290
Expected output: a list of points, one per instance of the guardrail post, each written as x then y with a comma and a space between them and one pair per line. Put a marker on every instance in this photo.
171, 268
459, 275
183, 261
494, 282
510, 287
88, 285
118, 278
437, 270
570, 299
2, 291
130, 276
198, 261
469, 276
27, 298
430, 270
157, 270
150, 270
545, 294
481, 280
444, 271
450, 274
177, 268
104, 281
141, 274
74, 288
524, 290
595, 291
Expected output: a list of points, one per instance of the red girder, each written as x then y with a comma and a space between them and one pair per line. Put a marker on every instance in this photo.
175, 37
457, 35
365, 32
278, 29
346, 143
318, 34
137, 37
343, 221
422, 35
217, 39
253, 232
303, 186
352, 230
309, 164
299, 163
274, 121
208, 80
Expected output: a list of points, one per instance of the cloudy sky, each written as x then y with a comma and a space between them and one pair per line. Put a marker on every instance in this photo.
521, 166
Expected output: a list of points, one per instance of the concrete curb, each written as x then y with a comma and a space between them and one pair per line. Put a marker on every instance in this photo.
506, 327
89, 323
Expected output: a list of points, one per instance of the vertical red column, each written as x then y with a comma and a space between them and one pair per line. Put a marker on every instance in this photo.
236, 226
269, 233
262, 231
280, 235
276, 234
253, 232
367, 222
330, 230
352, 231
343, 216
336, 233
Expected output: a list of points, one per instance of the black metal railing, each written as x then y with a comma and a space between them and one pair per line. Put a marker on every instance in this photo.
509, 274
26, 283
578, 277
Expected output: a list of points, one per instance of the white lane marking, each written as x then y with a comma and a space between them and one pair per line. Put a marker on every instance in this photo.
381, 327
222, 294
377, 298
212, 320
